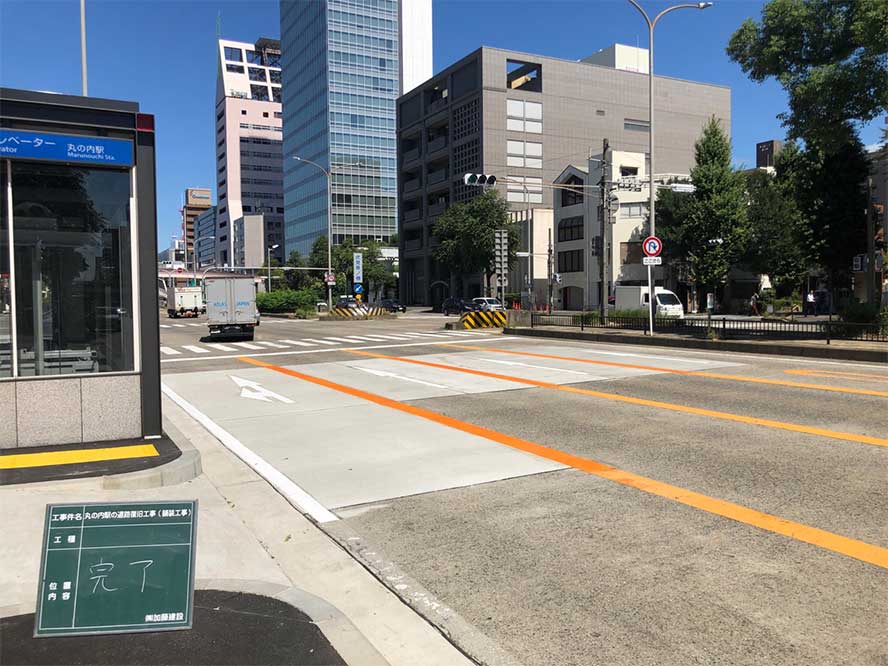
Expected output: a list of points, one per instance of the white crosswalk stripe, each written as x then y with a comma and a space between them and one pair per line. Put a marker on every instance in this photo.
218, 347
360, 338
164, 325
178, 325
320, 342
300, 343
340, 340
265, 343
393, 337
169, 351
246, 345
197, 325
196, 349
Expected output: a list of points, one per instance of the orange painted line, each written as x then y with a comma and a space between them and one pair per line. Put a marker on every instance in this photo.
843, 375
690, 373
858, 550
726, 416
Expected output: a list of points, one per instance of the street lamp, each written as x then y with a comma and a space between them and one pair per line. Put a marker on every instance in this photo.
268, 262
329, 222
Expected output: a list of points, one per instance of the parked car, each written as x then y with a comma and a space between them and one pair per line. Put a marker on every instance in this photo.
457, 306
487, 304
347, 302
392, 305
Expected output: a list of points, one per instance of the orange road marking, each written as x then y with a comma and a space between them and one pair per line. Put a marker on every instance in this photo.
726, 416
853, 548
692, 373
847, 375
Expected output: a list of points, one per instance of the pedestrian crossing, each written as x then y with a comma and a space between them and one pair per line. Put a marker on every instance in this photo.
169, 350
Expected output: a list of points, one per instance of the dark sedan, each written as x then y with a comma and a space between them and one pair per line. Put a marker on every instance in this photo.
457, 306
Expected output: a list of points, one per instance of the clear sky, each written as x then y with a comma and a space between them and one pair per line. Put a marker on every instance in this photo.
161, 53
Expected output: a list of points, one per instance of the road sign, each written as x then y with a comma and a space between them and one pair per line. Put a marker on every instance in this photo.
358, 266
652, 261
330, 278
255, 391
116, 568
652, 246
358, 288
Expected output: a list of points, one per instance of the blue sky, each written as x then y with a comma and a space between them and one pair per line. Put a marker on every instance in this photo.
161, 53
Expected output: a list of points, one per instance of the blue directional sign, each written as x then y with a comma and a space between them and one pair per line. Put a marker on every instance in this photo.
359, 288
19, 144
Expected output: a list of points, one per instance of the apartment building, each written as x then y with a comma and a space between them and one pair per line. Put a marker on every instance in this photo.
345, 64
205, 238
522, 118
194, 202
248, 146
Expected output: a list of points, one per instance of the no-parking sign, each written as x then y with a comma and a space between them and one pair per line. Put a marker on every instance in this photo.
652, 246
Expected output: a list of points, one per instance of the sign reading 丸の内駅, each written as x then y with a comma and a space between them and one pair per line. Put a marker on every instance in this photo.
20, 144
116, 568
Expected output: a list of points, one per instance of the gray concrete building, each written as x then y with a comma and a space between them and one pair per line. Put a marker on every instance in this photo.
524, 117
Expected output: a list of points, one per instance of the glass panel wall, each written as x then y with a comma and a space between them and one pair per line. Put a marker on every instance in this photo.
73, 275
5, 292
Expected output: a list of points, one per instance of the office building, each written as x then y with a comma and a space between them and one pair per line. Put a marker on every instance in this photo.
174, 255
345, 64
194, 202
79, 347
522, 118
205, 238
248, 146
529, 275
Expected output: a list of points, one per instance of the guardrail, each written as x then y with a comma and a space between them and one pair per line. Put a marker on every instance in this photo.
723, 329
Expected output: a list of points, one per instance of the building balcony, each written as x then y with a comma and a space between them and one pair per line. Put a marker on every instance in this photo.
411, 185
438, 176
414, 244
437, 105
437, 144
437, 208
412, 154
412, 214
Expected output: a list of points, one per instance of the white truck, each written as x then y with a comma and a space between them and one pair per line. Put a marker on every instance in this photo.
636, 298
231, 306
184, 301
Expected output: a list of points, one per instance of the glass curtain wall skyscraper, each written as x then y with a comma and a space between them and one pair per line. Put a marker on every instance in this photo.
345, 62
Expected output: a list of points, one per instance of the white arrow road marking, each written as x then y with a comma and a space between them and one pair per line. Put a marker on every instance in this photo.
538, 367
384, 373
255, 391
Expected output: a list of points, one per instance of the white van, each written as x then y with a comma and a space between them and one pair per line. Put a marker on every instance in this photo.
635, 298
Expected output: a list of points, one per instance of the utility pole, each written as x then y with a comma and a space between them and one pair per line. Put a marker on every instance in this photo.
84, 89
551, 271
872, 296
604, 218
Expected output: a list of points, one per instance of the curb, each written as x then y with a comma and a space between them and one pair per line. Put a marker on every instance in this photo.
459, 632
865, 355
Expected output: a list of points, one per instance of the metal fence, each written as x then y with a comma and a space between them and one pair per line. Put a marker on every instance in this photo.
723, 329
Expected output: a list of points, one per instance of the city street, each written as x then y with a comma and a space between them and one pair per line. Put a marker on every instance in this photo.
578, 503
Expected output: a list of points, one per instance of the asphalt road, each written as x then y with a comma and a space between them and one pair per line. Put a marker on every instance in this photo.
583, 503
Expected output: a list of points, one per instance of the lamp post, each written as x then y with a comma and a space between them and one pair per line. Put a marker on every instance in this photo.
653, 188
327, 174
268, 261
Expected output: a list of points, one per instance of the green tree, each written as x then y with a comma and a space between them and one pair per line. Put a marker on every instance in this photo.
829, 56
465, 233
301, 279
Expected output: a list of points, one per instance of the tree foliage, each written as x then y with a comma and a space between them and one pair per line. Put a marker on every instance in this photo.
831, 57
465, 233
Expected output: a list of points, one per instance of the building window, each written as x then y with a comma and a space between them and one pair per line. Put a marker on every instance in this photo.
524, 116
243, 112
636, 125
223, 238
276, 94
248, 209
275, 75
72, 270
632, 209
573, 195
521, 75
265, 114
278, 114
521, 189
259, 93
570, 229
570, 261
223, 209
257, 74
220, 114
237, 69
233, 55
631, 253
254, 57
524, 154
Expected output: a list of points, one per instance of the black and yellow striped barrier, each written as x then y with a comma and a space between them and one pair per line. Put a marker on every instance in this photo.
360, 312
482, 320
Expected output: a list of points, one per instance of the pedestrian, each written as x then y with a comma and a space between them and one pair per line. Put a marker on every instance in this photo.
753, 305
809, 303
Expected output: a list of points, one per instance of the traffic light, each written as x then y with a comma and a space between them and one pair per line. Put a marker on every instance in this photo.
479, 180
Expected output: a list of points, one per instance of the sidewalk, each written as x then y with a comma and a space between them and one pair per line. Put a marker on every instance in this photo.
249, 540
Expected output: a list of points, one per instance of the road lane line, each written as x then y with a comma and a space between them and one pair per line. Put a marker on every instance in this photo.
169, 351
298, 343
393, 375
843, 375
538, 367
196, 349
218, 347
295, 495
690, 373
836, 543
725, 416
246, 345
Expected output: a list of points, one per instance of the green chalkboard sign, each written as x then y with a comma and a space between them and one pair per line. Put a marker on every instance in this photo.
116, 568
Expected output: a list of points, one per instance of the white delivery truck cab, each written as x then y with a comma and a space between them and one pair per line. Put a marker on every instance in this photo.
635, 298
231, 306
184, 301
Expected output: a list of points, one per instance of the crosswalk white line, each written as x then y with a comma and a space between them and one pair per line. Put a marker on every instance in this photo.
197, 325
218, 347
339, 339
178, 325
394, 337
246, 345
300, 343
196, 349
360, 338
169, 350
164, 325
270, 344
375, 338
320, 342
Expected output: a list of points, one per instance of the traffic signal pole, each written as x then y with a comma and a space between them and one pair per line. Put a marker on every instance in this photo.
872, 294
604, 217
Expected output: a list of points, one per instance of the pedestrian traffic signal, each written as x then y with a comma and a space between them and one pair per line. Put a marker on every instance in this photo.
479, 180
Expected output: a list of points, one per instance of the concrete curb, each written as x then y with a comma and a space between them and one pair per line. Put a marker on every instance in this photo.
463, 635
350, 643
877, 355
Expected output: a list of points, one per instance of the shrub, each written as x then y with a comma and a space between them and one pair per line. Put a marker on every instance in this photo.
860, 313
287, 300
